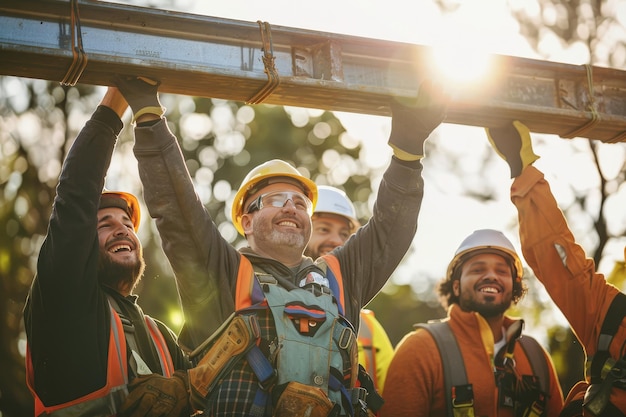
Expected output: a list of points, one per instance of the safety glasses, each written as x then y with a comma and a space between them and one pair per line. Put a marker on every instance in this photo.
279, 199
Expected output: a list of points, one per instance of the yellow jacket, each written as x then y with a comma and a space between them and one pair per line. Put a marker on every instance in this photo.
375, 348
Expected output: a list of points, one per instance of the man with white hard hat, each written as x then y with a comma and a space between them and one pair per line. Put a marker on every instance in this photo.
475, 361
334, 221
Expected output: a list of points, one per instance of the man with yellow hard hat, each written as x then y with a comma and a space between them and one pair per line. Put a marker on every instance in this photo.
273, 331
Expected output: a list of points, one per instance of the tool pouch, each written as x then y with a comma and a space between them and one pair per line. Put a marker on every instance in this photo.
224, 352
300, 400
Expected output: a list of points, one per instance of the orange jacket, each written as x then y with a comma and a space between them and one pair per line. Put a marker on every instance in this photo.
569, 276
415, 381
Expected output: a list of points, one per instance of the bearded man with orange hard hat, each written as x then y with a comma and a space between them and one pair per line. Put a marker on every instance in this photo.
88, 339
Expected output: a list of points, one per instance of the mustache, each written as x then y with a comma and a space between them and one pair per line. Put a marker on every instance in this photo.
119, 239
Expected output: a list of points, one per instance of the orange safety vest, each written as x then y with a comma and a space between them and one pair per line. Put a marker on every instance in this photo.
248, 291
107, 400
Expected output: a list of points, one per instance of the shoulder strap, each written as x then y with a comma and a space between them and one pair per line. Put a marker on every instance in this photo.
453, 365
612, 320
335, 281
137, 364
537, 359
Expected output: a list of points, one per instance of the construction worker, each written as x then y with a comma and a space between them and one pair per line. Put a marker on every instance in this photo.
284, 342
595, 309
334, 221
476, 361
87, 337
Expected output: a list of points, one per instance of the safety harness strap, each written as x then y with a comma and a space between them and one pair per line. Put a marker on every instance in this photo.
459, 394
266, 374
605, 371
137, 363
538, 364
612, 320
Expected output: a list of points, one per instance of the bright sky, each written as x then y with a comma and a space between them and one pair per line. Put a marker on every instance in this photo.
478, 26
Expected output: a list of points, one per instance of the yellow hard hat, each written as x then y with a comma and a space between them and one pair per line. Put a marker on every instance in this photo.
125, 201
275, 168
486, 241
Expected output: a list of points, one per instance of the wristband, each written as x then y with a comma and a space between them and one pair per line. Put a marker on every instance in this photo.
156, 110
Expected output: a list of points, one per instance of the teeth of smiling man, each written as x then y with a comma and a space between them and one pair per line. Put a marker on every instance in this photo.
118, 248
286, 223
491, 290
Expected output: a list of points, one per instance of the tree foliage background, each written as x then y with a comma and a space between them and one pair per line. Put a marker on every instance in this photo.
221, 140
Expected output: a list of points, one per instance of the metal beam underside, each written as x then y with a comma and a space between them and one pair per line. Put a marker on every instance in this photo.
223, 58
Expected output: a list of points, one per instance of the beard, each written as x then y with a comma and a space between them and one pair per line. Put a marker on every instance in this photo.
485, 309
118, 275
263, 231
286, 239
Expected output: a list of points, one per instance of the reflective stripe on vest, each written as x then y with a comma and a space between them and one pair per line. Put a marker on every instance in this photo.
106, 400
165, 358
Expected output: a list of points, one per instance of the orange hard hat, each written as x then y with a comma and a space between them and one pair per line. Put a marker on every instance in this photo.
125, 201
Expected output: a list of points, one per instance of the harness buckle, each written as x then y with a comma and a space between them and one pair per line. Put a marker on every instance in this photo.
346, 339
463, 401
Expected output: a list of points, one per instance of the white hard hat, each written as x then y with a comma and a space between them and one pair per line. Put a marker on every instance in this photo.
486, 241
334, 201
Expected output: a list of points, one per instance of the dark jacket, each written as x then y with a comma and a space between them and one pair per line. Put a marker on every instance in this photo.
67, 314
206, 265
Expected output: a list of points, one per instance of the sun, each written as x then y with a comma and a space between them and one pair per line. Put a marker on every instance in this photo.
460, 64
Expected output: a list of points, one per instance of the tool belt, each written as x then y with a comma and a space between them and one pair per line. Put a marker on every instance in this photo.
310, 369
300, 400
219, 353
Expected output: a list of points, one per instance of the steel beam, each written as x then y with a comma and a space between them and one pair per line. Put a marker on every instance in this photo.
257, 62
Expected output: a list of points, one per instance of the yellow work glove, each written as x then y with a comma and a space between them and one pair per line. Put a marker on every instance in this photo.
142, 95
413, 120
512, 142
155, 395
